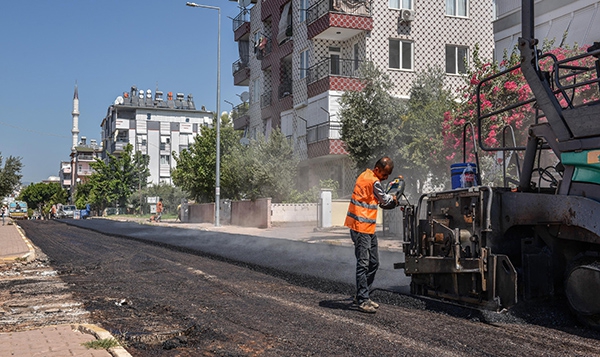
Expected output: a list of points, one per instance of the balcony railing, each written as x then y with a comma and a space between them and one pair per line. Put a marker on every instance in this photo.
241, 18
353, 7
323, 131
334, 67
239, 65
285, 89
239, 110
85, 157
265, 99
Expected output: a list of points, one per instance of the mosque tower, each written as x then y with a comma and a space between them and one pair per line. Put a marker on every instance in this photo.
75, 113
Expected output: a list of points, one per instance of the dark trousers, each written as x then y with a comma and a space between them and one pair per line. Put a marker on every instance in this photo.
367, 262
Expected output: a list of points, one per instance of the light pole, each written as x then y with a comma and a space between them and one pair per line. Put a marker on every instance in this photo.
217, 170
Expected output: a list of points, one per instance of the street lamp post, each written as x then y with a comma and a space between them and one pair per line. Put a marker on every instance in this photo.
217, 170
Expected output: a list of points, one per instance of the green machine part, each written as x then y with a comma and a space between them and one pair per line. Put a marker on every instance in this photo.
586, 163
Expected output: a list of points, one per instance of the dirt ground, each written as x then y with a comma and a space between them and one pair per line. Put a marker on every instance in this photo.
164, 302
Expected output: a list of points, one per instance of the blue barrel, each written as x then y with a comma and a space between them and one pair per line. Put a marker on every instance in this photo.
464, 174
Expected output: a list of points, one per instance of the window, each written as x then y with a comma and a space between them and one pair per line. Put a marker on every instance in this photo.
456, 7
303, 8
304, 63
164, 159
148, 116
142, 139
400, 4
356, 56
401, 54
456, 59
334, 64
255, 90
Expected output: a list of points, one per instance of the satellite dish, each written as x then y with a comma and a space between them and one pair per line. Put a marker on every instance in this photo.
119, 100
244, 3
245, 96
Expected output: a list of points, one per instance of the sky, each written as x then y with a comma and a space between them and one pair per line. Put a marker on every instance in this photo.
105, 47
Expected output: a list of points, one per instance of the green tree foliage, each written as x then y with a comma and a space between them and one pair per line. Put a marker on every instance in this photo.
421, 156
371, 118
115, 180
43, 195
265, 168
195, 171
10, 174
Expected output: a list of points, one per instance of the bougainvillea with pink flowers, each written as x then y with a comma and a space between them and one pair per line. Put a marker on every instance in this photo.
502, 92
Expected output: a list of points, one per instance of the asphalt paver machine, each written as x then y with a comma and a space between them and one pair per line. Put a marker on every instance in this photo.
539, 237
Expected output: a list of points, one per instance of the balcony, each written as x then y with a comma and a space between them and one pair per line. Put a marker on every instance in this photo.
324, 139
263, 48
332, 66
241, 73
285, 90
241, 25
265, 99
240, 116
81, 157
338, 20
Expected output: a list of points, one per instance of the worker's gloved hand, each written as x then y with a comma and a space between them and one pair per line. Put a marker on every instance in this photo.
393, 204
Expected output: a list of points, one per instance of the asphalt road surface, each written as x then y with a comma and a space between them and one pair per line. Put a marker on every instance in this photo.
211, 294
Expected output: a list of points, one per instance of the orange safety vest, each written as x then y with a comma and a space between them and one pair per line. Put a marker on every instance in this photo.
362, 211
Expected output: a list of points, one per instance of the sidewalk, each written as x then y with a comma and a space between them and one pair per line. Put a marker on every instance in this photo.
48, 341
299, 231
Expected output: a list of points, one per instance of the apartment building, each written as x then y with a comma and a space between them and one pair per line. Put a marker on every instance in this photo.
79, 169
579, 20
297, 58
154, 126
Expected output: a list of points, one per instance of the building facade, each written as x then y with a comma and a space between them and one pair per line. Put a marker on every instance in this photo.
566, 23
298, 57
154, 126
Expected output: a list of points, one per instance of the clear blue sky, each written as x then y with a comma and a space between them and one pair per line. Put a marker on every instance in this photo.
106, 46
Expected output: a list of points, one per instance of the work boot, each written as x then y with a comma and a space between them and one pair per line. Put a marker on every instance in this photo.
366, 307
371, 302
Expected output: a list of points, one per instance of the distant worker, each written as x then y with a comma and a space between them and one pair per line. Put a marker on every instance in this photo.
159, 210
368, 194
3, 213
53, 212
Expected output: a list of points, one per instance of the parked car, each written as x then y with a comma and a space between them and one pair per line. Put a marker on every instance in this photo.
66, 211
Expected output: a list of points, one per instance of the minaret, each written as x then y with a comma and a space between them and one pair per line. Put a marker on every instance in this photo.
75, 113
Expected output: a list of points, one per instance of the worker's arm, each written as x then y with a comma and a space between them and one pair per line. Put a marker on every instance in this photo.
386, 201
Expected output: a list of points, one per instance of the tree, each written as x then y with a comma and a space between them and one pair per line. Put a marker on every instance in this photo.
10, 174
195, 171
501, 92
43, 195
421, 156
371, 118
265, 168
115, 180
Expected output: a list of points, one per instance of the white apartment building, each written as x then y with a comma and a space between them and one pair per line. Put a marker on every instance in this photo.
579, 19
153, 126
297, 58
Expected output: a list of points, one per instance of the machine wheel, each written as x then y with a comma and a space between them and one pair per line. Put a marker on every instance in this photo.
582, 282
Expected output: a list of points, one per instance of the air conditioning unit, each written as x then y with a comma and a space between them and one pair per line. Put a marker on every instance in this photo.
407, 15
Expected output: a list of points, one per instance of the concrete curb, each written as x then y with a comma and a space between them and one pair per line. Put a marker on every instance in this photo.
101, 334
31, 255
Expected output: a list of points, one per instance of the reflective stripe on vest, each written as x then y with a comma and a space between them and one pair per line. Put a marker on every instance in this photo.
362, 211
